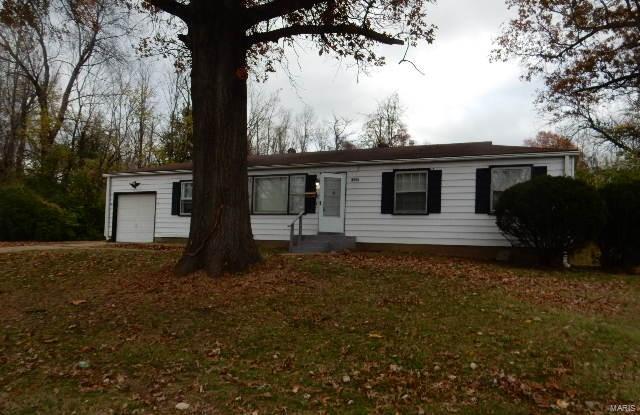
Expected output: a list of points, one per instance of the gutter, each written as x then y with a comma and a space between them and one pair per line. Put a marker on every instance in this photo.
107, 210
369, 162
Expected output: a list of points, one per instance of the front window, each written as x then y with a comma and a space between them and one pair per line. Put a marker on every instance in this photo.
186, 194
503, 178
411, 192
270, 195
277, 195
296, 194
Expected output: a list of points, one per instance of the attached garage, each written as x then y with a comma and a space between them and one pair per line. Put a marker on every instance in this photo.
134, 219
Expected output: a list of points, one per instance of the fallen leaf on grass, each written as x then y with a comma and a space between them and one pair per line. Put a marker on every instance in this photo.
78, 302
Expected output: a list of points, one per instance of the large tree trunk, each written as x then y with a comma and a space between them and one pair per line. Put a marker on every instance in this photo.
220, 237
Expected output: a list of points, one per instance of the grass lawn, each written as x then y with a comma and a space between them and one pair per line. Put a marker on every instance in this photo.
359, 333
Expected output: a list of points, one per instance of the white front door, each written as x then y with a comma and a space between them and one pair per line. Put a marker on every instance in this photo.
136, 217
332, 202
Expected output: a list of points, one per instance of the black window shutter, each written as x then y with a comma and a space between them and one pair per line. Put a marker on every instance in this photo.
175, 198
434, 192
388, 186
310, 187
539, 171
483, 190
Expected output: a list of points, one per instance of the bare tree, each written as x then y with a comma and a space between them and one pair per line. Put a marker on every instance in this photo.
64, 40
305, 129
262, 119
16, 105
144, 114
385, 127
119, 116
282, 133
321, 139
176, 141
340, 131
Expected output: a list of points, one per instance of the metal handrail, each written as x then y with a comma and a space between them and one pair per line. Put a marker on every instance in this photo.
292, 241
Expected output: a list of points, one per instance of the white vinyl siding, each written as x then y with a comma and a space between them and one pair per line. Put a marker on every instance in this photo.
458, 224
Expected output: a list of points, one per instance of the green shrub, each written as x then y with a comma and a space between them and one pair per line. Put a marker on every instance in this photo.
82, 195
552, 215
619, 240
25, 216
85, 199
621, 171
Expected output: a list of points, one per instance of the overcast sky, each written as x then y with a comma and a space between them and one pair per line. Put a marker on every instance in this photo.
460, 97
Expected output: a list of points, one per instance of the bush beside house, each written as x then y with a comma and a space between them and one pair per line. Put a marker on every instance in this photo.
24, 215
619, 240
552, 215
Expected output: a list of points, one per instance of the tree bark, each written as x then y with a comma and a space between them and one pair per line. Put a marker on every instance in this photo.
220, 238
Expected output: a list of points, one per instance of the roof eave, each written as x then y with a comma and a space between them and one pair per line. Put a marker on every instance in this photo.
560, 153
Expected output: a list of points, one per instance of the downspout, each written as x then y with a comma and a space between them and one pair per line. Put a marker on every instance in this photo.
569, 166
107, 210
568, 172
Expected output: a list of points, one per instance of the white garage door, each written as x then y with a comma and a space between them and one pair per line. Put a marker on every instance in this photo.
136, 217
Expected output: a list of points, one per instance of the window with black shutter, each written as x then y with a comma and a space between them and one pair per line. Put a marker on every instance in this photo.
310, 194
175, 199
492, 182
411, 192
502, 178
434, 194
388, 192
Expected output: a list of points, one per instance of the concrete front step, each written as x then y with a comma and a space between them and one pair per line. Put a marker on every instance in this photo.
324, 243
306, 247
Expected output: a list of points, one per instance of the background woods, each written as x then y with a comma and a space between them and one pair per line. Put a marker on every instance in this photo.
77, 100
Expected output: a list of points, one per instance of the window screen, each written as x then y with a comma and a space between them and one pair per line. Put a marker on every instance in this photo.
411, 192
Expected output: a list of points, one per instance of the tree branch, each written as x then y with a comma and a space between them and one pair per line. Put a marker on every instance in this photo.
179, 10
295, 30
275, 9
634, 76
404, 59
